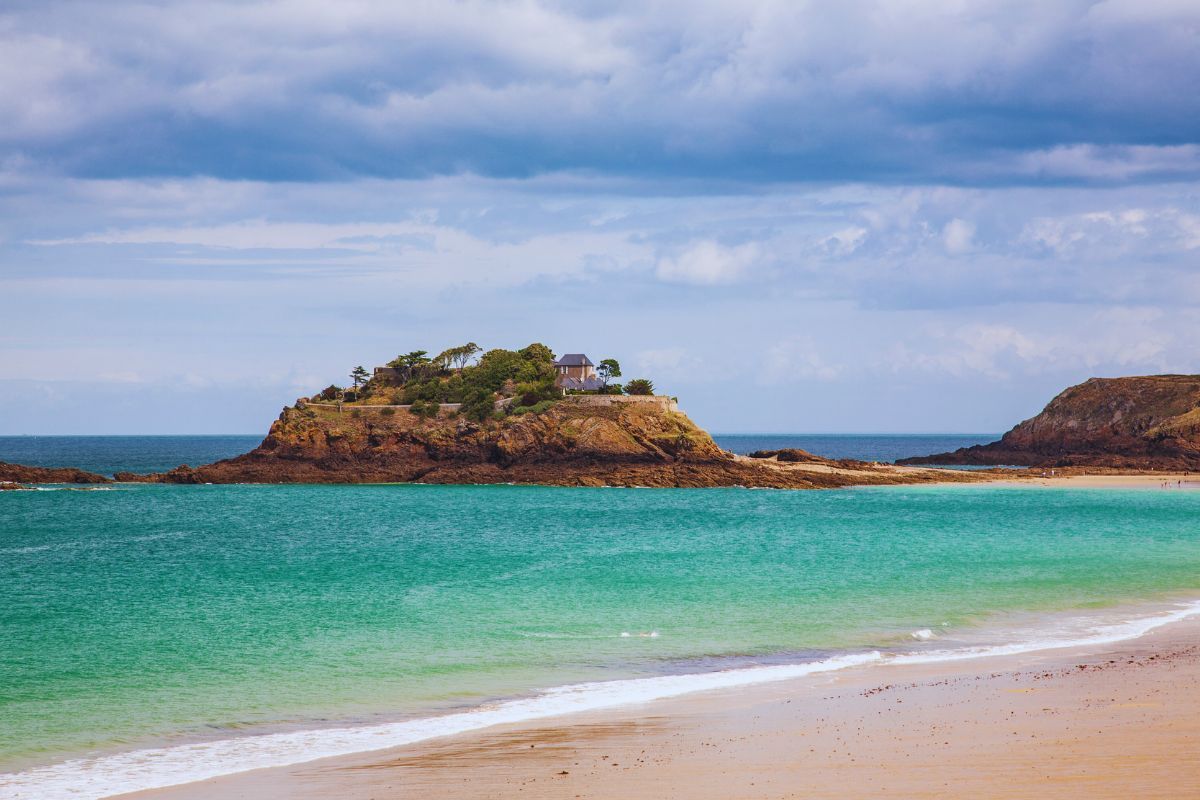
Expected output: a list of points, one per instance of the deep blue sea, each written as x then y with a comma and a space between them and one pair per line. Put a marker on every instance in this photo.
144, 454
886, 447
109, 454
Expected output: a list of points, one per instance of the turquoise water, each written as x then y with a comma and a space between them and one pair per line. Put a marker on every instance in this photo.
145, 454
145, 615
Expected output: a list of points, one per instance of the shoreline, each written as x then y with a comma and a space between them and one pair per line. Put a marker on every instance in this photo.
1074, 477
1156, 480
244, 757
1076, 480
1113, 717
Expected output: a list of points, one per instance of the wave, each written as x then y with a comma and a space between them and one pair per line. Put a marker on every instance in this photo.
104, 776
1095, 635
76, 489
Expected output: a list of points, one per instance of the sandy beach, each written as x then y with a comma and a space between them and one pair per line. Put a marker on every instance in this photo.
1105, 480
1160, 480
1120, 720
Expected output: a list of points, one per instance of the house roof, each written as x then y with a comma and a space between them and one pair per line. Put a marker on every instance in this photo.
574, 360
585, 384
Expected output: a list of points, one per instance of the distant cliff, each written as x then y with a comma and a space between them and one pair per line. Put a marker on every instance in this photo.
1150, 422
580, 441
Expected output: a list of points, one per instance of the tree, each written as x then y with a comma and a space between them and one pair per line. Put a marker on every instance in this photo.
408, 363
608, 369
498, 366
464, 354
639, 386
458, 357
359, 375
537, 352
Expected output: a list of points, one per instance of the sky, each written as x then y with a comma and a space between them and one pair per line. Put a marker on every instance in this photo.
844, 216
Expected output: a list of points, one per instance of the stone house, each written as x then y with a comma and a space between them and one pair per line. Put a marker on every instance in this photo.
575, 365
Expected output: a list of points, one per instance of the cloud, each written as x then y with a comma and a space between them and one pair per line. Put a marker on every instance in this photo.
1116, 233
671, 364
1113, 163
761, 92
875, 246
844, 241
431, 255
708, 263
1119, 339
260, 194
958, 236
797, 358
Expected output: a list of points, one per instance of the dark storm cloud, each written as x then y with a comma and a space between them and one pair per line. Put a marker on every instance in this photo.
972, 93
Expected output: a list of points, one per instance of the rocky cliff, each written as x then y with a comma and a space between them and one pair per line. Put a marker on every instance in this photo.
1150, 422
570, 444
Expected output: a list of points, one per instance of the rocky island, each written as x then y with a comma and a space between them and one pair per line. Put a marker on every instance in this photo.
519, 416
14, 476
580, 440
1136, 423
527, 417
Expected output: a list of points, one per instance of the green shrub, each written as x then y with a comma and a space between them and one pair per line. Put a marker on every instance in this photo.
387, 412
531, 365
640, 386
534, 408
356, 413
430, 390
452, 389
424, 408
478, 404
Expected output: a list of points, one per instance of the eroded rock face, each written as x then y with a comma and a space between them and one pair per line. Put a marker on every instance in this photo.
571, 444
1150, 422
558, 446
17, 473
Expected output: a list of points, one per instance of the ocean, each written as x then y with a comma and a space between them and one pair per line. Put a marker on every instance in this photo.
156, 634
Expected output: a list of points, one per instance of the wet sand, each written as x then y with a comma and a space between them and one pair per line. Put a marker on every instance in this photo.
1162, 481
1120, 720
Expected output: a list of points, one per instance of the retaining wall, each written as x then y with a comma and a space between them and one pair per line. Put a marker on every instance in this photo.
662, 401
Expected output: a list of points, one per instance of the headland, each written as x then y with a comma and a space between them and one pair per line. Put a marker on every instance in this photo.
1143, 423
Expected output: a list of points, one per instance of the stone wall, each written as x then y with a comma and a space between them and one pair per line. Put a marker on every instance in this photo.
662, 401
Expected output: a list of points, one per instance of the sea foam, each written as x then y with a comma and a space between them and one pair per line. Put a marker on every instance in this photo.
104, 776
93, 778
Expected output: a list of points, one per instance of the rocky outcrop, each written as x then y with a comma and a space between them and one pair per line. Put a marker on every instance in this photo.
795, 454
17, 473
1150, 422
570, 444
